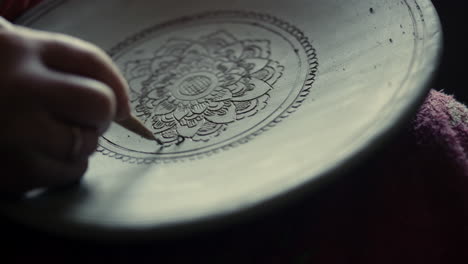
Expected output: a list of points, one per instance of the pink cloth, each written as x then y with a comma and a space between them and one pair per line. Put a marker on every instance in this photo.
414, 207
441, 126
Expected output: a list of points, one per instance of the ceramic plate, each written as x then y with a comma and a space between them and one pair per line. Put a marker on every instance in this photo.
253, 101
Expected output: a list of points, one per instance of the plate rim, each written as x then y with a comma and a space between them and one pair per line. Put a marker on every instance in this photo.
432, 50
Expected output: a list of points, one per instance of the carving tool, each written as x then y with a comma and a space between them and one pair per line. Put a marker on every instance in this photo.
136, 126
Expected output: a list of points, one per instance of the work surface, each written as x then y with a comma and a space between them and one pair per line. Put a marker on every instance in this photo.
375, 215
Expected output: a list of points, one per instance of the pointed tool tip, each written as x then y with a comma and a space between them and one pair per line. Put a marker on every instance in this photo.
136, 126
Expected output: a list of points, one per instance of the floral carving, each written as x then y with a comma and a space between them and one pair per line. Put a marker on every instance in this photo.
196, 88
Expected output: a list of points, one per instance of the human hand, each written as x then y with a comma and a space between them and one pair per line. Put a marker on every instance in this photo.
58, 95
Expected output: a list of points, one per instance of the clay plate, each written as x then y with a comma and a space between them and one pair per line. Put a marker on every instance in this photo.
254, 102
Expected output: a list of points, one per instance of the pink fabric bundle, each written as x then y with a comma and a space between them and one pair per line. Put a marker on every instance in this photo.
441, 126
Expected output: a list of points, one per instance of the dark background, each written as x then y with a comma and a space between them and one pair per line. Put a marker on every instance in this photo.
453, 71
345, 222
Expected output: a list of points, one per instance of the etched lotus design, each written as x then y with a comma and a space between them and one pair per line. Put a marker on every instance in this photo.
197, 88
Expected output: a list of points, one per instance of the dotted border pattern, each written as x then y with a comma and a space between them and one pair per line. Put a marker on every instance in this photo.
295, 32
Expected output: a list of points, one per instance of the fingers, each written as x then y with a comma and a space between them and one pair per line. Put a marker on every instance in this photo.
27, 170
39, 153
58, 95
43, 134
76, 57
75, 97
4, 24
76, 100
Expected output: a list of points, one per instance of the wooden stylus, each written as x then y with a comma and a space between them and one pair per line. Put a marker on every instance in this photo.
136, 126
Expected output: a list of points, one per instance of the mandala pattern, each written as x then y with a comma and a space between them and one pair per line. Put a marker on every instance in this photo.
209, 82
194, 88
